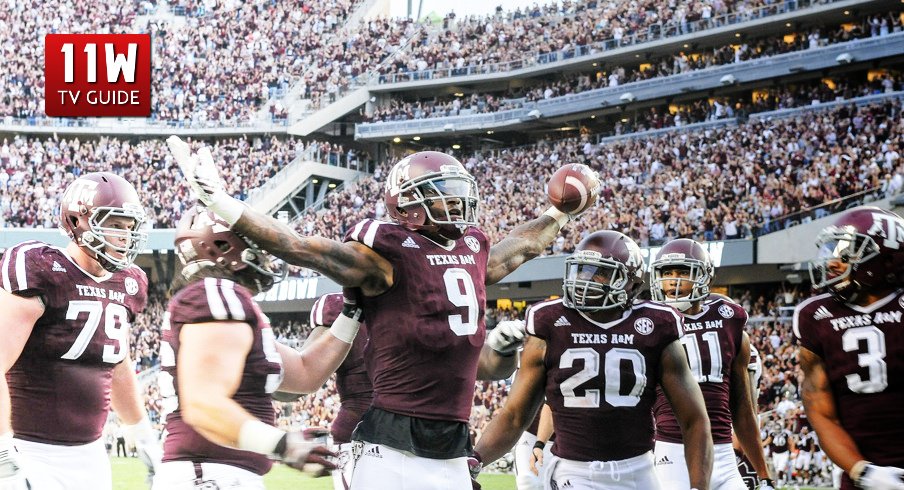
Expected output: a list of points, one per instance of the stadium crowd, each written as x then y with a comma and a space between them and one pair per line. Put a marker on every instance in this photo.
217, 64
34, 171
222, 63
728, 182
682, 62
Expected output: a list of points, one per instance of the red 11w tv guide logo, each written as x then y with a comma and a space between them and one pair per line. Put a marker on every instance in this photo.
97, 75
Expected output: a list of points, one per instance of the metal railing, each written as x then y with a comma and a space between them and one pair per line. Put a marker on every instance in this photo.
494, 119
310, 154
651, 33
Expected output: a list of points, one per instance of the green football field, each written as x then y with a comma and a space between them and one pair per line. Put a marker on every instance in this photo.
128, 474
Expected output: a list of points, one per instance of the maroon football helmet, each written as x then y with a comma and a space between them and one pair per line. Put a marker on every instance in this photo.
203, 239
870, 241
686, 254
604, 272
419, 180
88, 212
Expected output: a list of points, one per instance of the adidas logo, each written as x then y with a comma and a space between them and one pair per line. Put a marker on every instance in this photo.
374, 451
664, 460
822, 313
57, 267
409, 243
562, 322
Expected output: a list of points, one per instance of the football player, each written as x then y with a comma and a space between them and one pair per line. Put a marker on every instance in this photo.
806, 446
65, 345
352, 382
780, 445
221, 362
423, 278
719, 353
597, 356
852, 347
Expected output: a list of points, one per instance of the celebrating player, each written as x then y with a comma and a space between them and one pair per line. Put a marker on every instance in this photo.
598, 356
221, 362
719, 352
423, 279
63, 369
852, 347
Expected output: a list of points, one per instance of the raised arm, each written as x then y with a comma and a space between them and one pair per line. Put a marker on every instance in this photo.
525, 242
349, 264
743, 411
686, 399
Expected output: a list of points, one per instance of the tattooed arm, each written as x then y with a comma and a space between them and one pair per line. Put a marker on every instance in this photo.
525, 242
350, 264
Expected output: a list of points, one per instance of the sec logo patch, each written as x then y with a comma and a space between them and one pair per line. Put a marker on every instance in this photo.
644, 326
472, 243
131, 285
726, 311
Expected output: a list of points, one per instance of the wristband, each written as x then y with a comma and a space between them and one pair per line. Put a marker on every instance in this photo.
227, 207
345, 328
557, 215
857, 470
261, 438
540, 445
140, 433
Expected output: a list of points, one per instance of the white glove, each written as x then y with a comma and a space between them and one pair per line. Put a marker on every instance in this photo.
507, 337
874, 477
203, 178
304, 453
149, 450
11, 475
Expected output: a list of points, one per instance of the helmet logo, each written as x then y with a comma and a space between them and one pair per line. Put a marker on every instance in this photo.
726, 311
891, 228
399, 174
81, 193
644, 326
131, 285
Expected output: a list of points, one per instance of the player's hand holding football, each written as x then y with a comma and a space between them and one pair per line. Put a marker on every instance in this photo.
507, 337
11, 475
871, 477
573, 189
203, 178
302, 452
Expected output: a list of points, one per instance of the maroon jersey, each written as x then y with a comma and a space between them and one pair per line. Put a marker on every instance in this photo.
863, 352
427, 330
781, 442
712, 339
213, 300
601, 377
352, 382
60, 385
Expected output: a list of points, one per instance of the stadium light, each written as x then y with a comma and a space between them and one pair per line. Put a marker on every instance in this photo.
728, 79
844, 58
627, 97
535, 114
449, 127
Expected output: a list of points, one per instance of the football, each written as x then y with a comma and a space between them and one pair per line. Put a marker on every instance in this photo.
573, 188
